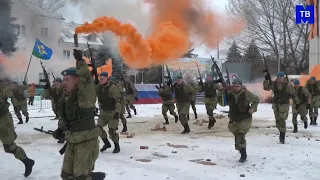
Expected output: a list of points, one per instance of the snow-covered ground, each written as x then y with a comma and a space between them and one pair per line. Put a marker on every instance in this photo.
267, 159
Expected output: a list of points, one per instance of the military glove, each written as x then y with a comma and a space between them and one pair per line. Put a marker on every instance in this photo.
308, 106
46, 86
116, 116
136, 98
297, 106
24, 83
58, 134
77, 55
267, 76
156, 86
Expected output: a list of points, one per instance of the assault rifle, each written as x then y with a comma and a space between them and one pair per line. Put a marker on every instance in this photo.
266, 70
169, 76
54, 78
228, 76
200, 77
46, 76
216, 68
63, 149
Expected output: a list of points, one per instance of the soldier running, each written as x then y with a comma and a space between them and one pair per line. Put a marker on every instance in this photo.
123, 106
77, 109
305, 101
242, 104
131, 95
183, 92
109, 98
314, 88
21, 103
210, 88
165, 93
193, 96
282, 92
7, 130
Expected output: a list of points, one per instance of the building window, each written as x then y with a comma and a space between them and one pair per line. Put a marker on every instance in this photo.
44, 32
66, 54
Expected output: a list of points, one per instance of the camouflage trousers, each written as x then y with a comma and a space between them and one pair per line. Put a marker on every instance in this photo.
193, 106
302, 111
129, 103
313, 111
54, 106
183, 111
123, 110
8, 136
281, 112
239, 129
210, 104
23, 107
79, 159
106, 118
168, 107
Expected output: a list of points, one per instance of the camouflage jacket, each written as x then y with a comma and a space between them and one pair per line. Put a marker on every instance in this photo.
166, 95
109, 96
289, 92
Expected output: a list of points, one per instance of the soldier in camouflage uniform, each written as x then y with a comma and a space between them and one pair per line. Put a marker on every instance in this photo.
305, 100
109, 98
131, 95
7, 130
21, 103
210, 98
54, 93
193, 96
183, 92
123, 106
242, 104
165, 93
77, 108
282, 92
314, 88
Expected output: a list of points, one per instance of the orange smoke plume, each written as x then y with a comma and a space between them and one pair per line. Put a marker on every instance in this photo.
104, 68
174, 22
315, 72
13, 64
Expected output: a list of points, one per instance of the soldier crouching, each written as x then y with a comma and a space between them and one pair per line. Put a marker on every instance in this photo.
242, 104
7, 131
183, 92
77, 109
109, 98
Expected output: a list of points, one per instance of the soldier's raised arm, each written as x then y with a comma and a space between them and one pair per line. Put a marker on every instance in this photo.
293, 94
267, 86
87, 91
253, 100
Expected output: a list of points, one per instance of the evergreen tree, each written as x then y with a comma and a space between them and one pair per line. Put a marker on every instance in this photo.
234, 54
8, 37
102, 55
117, 68
253, 56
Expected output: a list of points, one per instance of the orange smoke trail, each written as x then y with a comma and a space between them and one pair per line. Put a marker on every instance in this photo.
315, 72
104, 68
13, 64
173, 24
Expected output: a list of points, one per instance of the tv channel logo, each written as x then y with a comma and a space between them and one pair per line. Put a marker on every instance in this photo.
304, 14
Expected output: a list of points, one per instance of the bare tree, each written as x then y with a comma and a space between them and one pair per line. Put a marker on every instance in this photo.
271, 23
50, 5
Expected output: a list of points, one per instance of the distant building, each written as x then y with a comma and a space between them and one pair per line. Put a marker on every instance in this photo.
35, 22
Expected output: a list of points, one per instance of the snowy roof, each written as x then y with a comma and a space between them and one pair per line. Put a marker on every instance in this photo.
67, 32
38, 11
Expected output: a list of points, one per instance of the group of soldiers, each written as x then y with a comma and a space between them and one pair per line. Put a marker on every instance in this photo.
74, 102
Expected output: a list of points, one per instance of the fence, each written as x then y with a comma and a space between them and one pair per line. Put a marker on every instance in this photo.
38, 104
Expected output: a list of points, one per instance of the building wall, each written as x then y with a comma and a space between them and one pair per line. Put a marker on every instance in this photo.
314, 52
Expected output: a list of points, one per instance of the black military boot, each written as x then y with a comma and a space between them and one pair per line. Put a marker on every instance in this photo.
282, 137
195, 115
97, 175
167, 121
315, 121
129, 115
305, 124
311, 121
28, 164
135, 112
125, 128
243, 157
176, 118
106, 145
211, 123
188, 117
116, 148
186, 129
27, 119
20, 121
295, 128
61, 141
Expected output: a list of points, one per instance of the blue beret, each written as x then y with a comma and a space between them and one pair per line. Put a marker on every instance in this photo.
237, 81
312, 78
69, 71
280, 74
103, 73
58, 80
112, 78
179, 77
296, 82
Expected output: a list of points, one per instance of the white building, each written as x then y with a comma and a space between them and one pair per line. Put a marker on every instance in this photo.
52, 30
